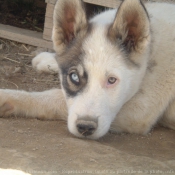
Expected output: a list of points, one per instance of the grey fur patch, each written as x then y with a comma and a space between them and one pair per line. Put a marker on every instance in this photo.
72, 59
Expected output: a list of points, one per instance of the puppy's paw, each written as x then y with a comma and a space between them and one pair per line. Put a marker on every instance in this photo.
6, 109
45, 62
6, 103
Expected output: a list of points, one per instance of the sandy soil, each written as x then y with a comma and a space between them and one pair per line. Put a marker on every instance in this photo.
46, 147
33, 147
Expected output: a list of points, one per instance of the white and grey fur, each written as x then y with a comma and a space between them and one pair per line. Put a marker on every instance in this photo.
116, 69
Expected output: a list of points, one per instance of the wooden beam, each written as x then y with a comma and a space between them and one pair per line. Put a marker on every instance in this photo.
48, 32
24, 36
49, 21
47, 37
48, 25
51, 1
50, 10
106, 3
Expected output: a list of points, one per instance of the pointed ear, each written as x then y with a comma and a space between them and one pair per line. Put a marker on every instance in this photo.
131, 25
70, 21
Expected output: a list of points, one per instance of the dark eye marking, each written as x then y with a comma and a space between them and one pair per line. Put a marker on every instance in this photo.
74, 81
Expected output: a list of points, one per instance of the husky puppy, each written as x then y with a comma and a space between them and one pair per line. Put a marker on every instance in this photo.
117, 70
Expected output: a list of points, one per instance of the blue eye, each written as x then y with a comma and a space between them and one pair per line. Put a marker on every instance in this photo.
74, 77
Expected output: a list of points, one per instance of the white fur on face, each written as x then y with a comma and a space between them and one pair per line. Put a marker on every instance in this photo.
98, 100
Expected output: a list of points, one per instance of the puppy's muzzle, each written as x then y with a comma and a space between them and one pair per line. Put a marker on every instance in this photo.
86, 127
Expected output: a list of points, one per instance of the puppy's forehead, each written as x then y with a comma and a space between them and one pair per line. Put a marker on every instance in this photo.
98, 49
96, 38
95, 47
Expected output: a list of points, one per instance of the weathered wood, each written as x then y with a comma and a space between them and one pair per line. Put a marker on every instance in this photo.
24, 36
49, 21
47, 37
106, 3
49, 10
48, 25
48, 32
51, 1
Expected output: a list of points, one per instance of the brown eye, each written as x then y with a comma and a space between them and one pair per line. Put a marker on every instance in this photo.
112, 80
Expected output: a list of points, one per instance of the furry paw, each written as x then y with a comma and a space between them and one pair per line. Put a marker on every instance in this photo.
45, 63
6, 107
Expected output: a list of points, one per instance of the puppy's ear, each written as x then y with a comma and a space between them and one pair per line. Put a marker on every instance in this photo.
131, 25
70, 21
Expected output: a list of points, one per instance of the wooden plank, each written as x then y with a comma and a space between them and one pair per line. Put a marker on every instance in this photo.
49, 14
106, 3
48, 25
24, 36
50, 6
46, 37
49, 20
51, 1
47, 32
50, 10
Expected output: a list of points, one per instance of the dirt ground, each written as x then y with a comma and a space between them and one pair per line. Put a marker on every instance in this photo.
33, 147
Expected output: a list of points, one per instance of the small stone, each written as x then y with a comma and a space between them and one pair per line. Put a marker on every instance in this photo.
34, 149
20, 131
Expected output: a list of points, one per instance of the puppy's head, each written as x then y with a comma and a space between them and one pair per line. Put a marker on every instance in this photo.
101, 61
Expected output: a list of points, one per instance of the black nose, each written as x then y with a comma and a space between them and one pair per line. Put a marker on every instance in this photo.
85, 127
